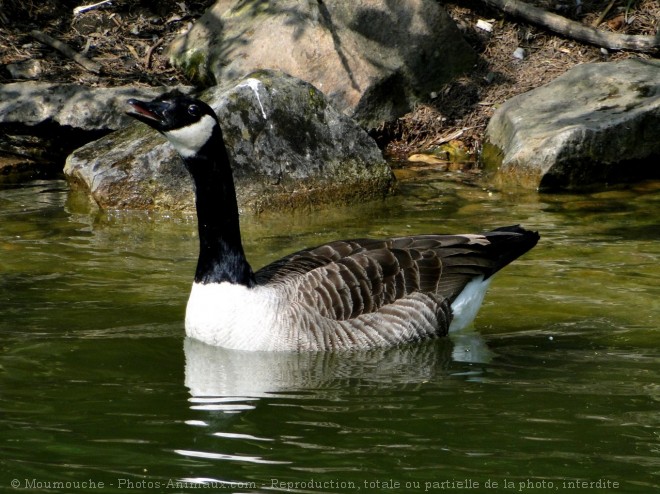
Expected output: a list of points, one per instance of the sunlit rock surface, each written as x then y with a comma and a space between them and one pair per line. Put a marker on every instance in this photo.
41, 123
595, 125
372, 58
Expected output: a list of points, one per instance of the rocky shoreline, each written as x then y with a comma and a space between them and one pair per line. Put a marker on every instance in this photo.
369, 64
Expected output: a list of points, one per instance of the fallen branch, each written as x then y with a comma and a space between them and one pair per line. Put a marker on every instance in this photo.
65, 49
450, 137
575, 30
150, 52
85, 8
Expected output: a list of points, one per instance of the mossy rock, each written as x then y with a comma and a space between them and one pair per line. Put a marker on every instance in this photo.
288, 146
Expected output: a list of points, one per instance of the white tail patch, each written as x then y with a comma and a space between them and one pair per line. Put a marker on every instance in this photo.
190, 139
468, 303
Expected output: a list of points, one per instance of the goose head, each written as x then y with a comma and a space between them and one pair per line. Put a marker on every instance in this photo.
188, 123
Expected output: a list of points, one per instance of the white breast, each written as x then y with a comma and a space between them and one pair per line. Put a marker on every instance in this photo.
234, 316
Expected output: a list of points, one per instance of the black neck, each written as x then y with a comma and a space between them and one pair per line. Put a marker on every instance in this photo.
221, 256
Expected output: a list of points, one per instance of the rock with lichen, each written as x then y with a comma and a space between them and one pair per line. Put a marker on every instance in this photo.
288, 146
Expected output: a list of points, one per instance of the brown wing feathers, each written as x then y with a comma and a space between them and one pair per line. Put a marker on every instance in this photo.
345, 279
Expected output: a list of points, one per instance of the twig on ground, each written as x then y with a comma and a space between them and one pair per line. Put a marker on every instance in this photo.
66, 50
577, 31
150, 51
85, 8
603, 14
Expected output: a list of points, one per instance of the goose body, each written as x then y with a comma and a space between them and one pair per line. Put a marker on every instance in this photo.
348, 294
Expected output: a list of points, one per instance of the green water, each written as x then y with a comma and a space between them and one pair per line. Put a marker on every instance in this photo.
557, 384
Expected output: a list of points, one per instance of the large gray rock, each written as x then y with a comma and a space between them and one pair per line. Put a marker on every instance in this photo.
372, 58
70, 105
288, 146
41, 123
598, 123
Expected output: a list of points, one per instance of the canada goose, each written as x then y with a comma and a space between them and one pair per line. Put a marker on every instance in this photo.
346, 294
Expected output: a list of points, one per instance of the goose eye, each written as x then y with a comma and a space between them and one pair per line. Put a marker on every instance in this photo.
193, 110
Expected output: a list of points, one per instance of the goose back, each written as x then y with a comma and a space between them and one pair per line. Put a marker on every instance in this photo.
344, 279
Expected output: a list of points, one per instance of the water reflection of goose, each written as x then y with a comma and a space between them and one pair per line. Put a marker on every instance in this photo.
353, 294
231, 380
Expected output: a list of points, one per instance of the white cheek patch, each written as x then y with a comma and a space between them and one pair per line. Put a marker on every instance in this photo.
190, 139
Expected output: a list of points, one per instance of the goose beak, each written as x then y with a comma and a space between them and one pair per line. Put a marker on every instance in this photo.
150, 112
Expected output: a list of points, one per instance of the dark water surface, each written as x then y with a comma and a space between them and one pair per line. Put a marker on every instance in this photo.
556, 389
